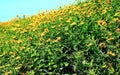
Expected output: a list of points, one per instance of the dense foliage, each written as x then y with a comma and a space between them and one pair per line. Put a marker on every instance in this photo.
81, 39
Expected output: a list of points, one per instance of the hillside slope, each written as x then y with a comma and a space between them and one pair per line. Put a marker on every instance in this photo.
81, 39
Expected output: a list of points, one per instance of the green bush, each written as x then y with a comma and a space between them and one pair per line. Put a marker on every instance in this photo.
81, 39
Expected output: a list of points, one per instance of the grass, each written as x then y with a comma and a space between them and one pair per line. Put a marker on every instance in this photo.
80, 39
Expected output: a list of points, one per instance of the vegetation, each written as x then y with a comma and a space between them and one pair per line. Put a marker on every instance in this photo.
80, 39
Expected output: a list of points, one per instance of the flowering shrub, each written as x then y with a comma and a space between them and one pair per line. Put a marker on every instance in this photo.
81, 39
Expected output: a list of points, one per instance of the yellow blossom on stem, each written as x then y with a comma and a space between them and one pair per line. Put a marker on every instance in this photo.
81, 23
90, 44
111, 53
60, 18
18, 58
104, 66
118, 30
24, 31
116, 19
69, 20
60, 25
104, 11
8, 73
7, 65
117, 13
48, 40
21, 48
14, 29
53, 26
18, 25
14, 37
109, 1
42, 34
57, 39
2, 67
19, 41
102, 45
41, 39
74, 23
29, 38
4, 53
85, 4
102, 22
109, 39
12, 41
46, 30
18, 67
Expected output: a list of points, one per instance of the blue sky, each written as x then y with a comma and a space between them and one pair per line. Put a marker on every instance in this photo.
10, 8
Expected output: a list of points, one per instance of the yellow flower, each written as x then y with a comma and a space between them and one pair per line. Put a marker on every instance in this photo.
109, 1
48, 40
110, 53
60, 25
110, 39
102, 22
8, 73
12, 41
110, 33
4, 53
90, 44
19, 41
74, 23
13, 53
57, 39
60, 18
104, 11
41, 39
118, 30
70, 12
117, 13
46, 30
18, 58
42, 34
85, 4
69, 20
116, 19
18, 25
14, 29
7, 65
24, 31
81, 23
21, 48
53, 26
34, 29
76, 13
18, 67
102, 45
89, 14
30, 38
1, 55
14, 37
104, 66
83, 12
2, 67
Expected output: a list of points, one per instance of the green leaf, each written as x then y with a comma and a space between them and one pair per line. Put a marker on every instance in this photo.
111, 70
66, 64
31, 72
